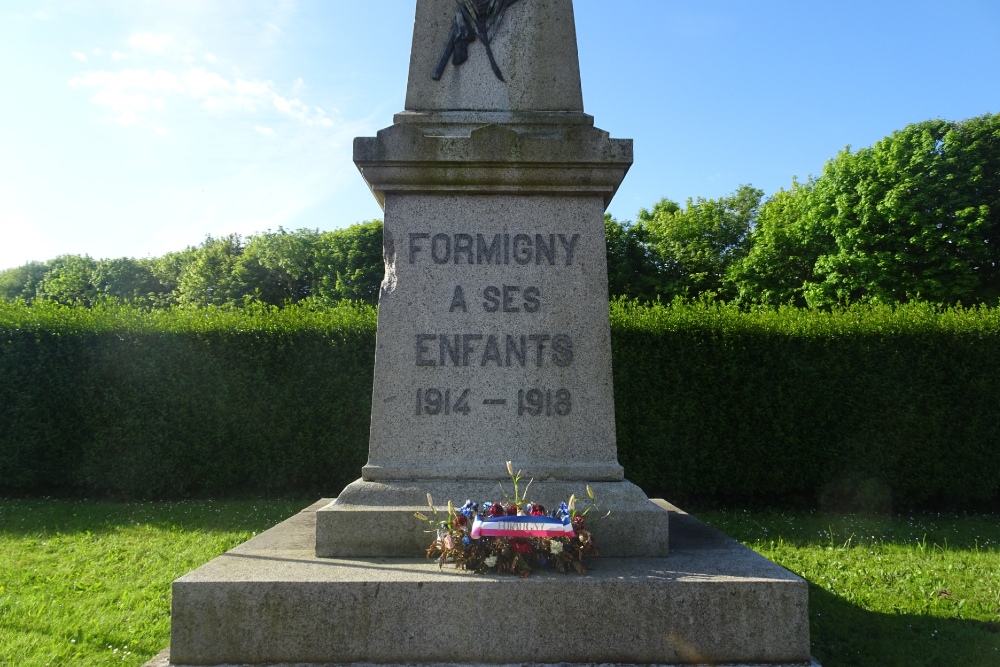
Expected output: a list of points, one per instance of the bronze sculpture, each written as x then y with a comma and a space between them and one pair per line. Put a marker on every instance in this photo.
474, 19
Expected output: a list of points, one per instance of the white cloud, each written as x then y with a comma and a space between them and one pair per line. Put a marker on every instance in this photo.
312, 116
251, 88
79, 56
130, 79
209, 58
118, 55
201, 83
266, 131
130, 94
97, 52
133, 95
24, 239
147, 41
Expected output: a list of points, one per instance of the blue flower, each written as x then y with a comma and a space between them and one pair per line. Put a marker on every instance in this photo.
469, 508
466, 541
543, 561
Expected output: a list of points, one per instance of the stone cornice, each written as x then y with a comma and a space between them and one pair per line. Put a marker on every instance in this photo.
527, 154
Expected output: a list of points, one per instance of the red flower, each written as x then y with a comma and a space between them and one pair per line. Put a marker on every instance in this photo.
460, 521
519, 545
537, 510
512, 510
497, 510
578, 523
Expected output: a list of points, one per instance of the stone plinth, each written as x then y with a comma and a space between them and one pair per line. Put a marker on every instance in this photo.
493, 336
494, 341
271, 601
343, 529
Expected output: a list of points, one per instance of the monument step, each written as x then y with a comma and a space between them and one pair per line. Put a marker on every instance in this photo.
163, 660
635, 527
271, 601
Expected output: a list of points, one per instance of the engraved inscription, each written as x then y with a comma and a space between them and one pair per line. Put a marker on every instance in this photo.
535, 402
483, 249
435, 402
512, 299
502, 351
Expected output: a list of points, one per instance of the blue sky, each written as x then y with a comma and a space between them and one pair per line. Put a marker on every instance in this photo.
136, 127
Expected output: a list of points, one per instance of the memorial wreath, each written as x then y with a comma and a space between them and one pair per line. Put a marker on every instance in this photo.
515, 536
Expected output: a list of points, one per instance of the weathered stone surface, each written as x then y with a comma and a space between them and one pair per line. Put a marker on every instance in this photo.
493, 337
535, 48
477, 336
635, 527
163, 660
443, 154
272, 601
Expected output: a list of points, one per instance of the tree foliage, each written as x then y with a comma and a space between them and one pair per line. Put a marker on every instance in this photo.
681, 252
694, 246
632, 269
273, 268
916, 217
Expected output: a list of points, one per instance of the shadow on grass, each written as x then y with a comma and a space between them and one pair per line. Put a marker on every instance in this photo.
845, 635
42, 517
962, 532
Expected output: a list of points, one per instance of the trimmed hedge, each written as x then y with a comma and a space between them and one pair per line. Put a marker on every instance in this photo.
858, 407
126, 403
713, 404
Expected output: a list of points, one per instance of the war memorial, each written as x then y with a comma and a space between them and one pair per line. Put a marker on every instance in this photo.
493, 346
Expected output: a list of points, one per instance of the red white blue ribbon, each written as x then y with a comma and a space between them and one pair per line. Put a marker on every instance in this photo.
521, 526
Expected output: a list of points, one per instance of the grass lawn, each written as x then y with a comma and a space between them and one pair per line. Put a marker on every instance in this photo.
85, 583
886, 592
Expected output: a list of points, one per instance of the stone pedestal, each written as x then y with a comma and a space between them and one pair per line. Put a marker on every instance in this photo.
272, 602
493, 335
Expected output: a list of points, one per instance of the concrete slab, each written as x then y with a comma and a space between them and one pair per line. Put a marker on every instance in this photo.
271, 601
163, 660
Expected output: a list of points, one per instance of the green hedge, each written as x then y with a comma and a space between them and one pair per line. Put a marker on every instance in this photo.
871, 405
713, 404
120, 402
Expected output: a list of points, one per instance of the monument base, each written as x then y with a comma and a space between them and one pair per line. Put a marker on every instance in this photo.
163, 660
271, 601
375, 519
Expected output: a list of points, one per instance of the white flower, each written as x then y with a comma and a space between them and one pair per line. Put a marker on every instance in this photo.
556, 547
491, 561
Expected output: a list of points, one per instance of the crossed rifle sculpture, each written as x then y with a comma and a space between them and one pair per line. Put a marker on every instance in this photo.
474, 19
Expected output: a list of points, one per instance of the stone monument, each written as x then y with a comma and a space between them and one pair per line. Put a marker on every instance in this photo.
493, 336
493, 345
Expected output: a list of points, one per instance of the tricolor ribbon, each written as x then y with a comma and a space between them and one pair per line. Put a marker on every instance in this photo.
521, 526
